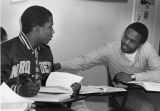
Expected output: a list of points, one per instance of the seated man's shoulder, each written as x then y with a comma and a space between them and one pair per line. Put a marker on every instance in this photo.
9, 44
147, 45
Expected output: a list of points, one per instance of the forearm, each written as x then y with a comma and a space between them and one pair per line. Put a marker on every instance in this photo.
77, 64
86, 61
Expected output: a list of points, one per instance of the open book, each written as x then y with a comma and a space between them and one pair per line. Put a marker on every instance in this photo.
58, 87
63, 79
100, 89
60, 82
148, 86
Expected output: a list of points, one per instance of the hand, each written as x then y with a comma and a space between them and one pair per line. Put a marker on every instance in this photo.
29, 89
76, 88
56, 66
122, 77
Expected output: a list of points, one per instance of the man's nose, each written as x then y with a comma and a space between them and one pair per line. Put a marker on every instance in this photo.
53, 31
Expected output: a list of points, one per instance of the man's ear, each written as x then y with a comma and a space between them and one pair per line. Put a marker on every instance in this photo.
36, 29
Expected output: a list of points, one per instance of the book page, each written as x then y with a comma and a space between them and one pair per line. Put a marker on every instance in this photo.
62, 79
149, 86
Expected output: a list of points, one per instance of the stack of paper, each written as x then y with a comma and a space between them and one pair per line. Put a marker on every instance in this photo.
149, 86
100, 89
10, 101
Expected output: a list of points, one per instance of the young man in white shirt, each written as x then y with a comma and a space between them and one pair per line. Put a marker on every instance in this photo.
130, 59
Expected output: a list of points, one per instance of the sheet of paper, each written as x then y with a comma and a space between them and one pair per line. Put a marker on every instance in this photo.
100, 89
149, 86
12, 101
62, 79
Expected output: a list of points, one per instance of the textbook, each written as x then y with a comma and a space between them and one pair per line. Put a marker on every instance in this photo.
100, 89
148, 86
58, 87
46, 97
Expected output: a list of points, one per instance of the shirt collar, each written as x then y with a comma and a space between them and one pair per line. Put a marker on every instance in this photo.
26, 42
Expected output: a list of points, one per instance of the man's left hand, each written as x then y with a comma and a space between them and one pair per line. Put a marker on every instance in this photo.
76, 88
122, 77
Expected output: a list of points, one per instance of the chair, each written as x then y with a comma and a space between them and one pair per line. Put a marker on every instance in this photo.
112, 99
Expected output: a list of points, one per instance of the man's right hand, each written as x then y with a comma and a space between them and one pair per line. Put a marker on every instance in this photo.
28, 89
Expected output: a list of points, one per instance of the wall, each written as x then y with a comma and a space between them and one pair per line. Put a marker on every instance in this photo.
80, 26
153, 23
157, 27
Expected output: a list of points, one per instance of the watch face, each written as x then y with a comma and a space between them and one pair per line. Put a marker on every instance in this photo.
133, 77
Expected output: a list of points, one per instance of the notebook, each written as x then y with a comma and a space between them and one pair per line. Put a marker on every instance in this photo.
100, 89
148, 86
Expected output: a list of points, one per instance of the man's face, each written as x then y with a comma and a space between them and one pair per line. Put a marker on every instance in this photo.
46, 32
130, 41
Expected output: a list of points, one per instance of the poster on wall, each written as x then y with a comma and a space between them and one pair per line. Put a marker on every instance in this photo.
17, 0
159, 48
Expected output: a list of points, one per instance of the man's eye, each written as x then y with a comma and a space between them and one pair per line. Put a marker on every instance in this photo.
125, 37
134, 42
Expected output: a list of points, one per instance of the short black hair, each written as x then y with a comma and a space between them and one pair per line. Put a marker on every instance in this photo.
141, 29
34, 15
3, 34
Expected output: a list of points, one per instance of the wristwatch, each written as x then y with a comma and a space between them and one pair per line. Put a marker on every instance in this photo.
133, 77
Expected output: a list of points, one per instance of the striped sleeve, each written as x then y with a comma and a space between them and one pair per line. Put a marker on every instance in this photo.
16, 88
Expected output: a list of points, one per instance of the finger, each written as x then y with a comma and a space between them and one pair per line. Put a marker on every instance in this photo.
34, 88
32, 93
76, 86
